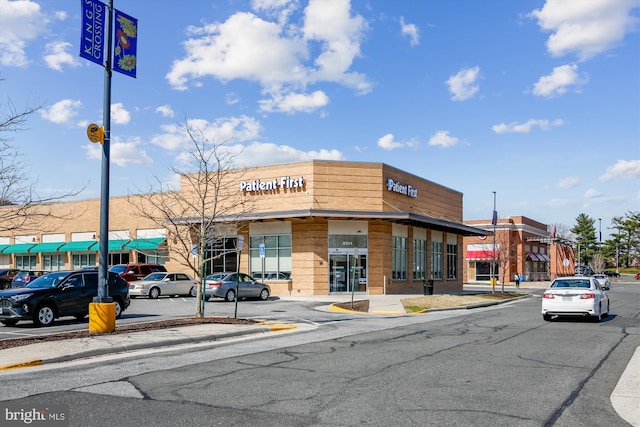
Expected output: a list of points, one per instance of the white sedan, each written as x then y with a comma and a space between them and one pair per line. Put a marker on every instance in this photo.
603, 279
575, 296
156, 284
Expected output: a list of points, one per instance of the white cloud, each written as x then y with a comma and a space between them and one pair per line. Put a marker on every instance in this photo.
568, 182
585, 27
295, 102
388, 143
443, 139
592, 193
258, 153
123, 153
276, 55
462, 85
222, 130
558, 81
165, 110
20, 23
62, 111
56, 55
119, 115
410, 30
525, 127
623, 169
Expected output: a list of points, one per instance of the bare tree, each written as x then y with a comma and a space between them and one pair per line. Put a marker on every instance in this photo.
20, 207
507, 253
196, 216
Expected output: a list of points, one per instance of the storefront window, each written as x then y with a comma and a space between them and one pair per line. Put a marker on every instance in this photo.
419, 259
222, 256
436, 260
452, 261
53, 262
25, 262
399, 258
83, 260
276, 262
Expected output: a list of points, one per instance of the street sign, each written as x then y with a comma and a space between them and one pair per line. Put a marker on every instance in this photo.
95, 133
240, 243
261, 250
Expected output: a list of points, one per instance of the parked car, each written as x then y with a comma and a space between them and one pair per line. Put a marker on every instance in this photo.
23, 277
6, 276
584, 270
638, 276
575, 296
224, 285
603, 280
133, 272
59, 294
156, 284
611, 273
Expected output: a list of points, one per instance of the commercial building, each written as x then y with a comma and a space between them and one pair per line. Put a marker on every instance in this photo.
521, 246
308, 228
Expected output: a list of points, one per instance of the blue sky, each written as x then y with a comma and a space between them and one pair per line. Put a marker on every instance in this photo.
536, 100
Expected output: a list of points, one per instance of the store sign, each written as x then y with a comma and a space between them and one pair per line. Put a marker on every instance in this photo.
405, 189
284, 183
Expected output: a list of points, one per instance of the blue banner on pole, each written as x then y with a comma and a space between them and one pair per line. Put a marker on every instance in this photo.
93, 37
125, 58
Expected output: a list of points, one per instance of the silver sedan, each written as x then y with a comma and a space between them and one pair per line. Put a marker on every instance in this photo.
170, 284
224, 285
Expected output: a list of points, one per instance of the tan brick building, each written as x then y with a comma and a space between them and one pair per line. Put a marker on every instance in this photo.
313, 228
522, 246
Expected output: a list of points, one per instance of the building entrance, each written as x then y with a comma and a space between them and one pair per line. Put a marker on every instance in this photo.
348, 273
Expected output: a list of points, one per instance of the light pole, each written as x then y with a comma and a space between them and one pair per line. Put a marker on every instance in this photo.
600, 230
494, 221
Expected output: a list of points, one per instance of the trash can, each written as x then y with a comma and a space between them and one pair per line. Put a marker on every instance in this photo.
427, 286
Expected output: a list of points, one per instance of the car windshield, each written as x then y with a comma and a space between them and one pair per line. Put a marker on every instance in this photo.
584, 284
155, 277
599, 276
50, 280
118, 269
218, 276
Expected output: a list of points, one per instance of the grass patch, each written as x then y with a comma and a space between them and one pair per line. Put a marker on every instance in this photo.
430, 302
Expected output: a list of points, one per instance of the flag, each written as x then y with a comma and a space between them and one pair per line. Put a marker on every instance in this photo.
125, 55
553, 231
494, 218
92, 35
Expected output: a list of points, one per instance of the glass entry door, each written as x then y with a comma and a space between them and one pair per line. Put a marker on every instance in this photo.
347, 272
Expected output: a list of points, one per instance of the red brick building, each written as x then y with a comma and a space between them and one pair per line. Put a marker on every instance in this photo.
522, 246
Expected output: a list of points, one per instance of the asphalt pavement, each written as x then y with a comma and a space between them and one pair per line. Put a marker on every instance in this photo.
625, 397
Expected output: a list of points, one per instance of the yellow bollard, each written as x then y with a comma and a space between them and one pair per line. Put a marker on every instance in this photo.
102, 317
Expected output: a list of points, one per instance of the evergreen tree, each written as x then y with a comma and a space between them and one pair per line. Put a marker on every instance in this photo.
586, 242
626, 239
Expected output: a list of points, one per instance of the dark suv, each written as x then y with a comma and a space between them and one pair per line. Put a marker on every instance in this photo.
6, 276
133, 272
59, 294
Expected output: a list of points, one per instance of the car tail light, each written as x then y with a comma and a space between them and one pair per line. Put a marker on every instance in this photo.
587, 296
548, 296
27, 279
213, 284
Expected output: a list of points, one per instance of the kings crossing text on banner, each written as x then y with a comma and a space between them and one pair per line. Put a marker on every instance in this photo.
93, 35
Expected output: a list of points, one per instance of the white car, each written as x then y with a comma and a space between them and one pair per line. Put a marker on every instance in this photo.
575, 296
155, 284
603, 279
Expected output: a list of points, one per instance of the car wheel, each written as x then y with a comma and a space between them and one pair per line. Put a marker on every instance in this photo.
118, 308
44, 315
193, 292
598, 318
264, 294
231, 295
154, 293
9, 322
546, 317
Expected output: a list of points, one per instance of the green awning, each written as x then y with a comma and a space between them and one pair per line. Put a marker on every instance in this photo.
145, 244
82, 246
114, 245
46, 247
3, 247
19, 248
